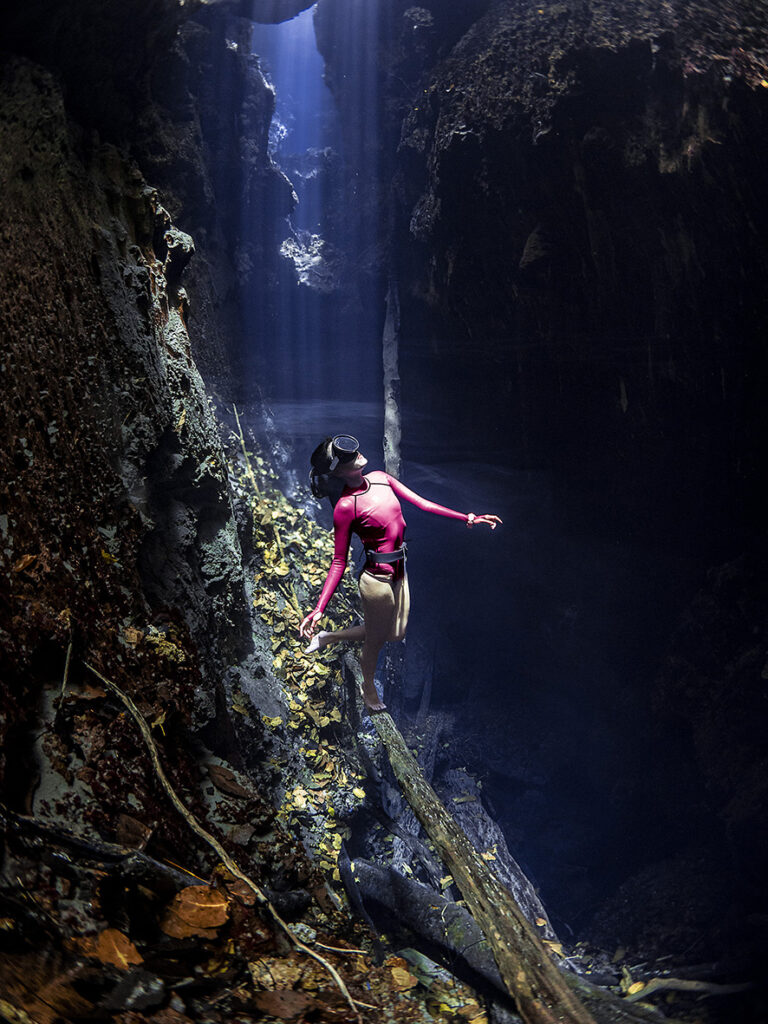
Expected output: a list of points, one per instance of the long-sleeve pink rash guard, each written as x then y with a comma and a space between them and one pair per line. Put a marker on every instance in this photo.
374, 513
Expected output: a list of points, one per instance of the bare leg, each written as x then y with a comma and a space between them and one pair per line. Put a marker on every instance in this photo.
371, 650
370, 655
351, 635
320, 640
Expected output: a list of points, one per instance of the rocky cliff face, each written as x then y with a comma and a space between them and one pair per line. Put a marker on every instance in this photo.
123, 545
117, 458
117, 516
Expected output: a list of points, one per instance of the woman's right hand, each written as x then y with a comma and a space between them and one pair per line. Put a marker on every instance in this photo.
307, 627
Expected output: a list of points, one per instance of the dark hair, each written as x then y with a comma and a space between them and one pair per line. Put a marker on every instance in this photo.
321, 480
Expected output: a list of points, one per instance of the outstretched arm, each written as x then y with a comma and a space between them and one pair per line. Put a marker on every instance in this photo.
406, 494
342, 534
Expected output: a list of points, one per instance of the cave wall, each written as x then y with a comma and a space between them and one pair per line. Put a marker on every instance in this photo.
117, 518
121, 534
582, 198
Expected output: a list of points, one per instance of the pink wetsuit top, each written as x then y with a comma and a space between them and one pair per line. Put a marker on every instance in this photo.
373, 512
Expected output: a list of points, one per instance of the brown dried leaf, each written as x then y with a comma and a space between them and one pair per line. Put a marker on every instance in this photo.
23, 563
284, 1004
110, 947
286, 972
177, 929
224, 779
196, 910
133, 833
87, 692
279, 973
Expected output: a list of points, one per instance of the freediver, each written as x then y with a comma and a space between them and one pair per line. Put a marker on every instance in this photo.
368, 505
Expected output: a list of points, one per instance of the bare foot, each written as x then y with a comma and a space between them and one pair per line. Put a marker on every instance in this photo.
317, 643
373, 702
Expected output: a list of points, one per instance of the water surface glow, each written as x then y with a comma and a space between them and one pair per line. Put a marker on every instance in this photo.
324, 338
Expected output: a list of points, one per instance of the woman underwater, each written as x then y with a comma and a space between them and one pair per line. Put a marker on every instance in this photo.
368, 506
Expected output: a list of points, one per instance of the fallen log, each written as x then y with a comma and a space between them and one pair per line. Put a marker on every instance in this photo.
532, 979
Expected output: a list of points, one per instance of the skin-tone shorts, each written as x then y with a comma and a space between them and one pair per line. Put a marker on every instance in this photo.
386, 604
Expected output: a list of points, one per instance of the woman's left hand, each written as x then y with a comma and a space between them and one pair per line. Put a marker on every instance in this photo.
492, 521
308, 623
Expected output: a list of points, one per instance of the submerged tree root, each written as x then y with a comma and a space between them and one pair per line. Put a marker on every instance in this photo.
216, 845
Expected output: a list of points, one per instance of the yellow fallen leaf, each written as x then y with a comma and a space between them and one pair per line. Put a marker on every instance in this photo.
445, 881
541, 922
359, 793
636, 986
272, 722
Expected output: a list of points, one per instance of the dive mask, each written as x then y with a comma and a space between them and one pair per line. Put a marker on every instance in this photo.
344, 448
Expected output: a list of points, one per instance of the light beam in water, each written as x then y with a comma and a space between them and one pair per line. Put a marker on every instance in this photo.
324, 342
